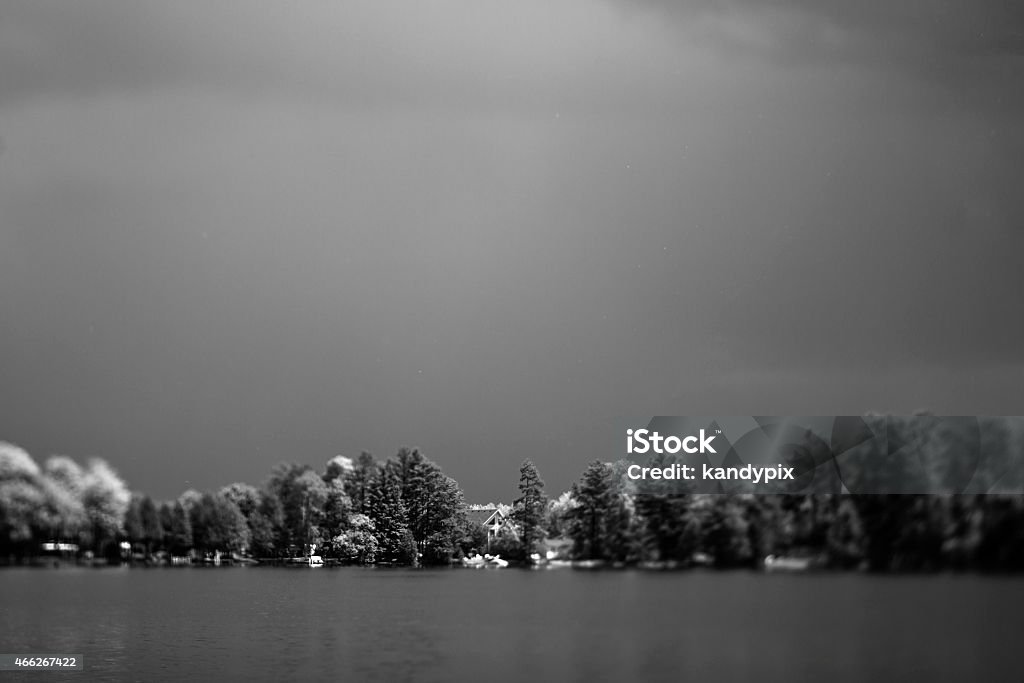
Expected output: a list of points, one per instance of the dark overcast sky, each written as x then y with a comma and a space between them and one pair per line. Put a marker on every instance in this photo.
235, 233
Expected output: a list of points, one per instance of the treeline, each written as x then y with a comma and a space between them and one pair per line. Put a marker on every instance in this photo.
401, 511
406, 511
606, 523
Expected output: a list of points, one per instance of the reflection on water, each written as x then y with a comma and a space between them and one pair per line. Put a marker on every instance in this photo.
394, 625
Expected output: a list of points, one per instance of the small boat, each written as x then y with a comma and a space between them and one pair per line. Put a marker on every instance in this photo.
316, 561
496, 561
476, 561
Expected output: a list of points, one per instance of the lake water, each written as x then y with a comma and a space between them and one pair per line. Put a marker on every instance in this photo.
442, 625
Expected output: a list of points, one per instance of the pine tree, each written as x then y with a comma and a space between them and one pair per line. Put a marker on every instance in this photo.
433, 504
530, 508
387, 511
357, 484
667, 526
622, 530
588, 519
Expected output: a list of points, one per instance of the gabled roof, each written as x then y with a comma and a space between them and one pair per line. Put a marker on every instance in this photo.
484, 516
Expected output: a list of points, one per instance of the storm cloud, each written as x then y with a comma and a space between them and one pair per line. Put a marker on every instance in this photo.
236, 233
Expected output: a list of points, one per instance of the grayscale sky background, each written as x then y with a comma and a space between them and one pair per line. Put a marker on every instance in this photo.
235, 233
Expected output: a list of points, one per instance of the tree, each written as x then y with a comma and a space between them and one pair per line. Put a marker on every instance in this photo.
623, 531
20, 501
303, 494
433, 504
588, 518
105, 499
152, 528
142, 522
668, 529
21, 498
65, 483
177, 528
883, 518
336, 509
218, 524
1001, 529
530, 508
133, 519
359, 481
338, 468
441, 525
845, 537
249, 500
62, 515
473, 537
358, 543
558, 514
66, 473
266, 526
246, 497
189, 499
16, 463
395, 542
726, 534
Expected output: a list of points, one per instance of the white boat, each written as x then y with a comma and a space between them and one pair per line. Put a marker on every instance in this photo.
478, 561
316, 561
495, 561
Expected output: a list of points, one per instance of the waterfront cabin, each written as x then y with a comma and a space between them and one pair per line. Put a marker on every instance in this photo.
492, 519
